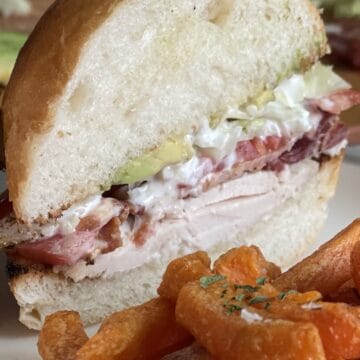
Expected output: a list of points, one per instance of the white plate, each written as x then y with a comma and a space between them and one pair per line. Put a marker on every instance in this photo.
19, 343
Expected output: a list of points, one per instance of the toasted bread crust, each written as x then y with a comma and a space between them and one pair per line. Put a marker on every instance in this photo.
41, 73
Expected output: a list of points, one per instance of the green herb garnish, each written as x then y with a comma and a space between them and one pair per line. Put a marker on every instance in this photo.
206, 281
230, 308
247, 288
258, 300
284, 294
267, 305
240, 297
261, 280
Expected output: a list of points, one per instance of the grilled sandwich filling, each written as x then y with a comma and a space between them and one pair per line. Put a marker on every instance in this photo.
242, 152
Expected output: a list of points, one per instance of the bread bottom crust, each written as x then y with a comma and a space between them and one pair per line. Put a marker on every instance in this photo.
283, 237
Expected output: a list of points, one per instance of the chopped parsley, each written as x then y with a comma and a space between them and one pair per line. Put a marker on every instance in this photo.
267, 305
239, 297
284, 294
258, 300
247, 288
261, 280
230, 308
206, 281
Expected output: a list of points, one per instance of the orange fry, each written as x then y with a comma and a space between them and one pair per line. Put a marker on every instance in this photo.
62, 336
355, 265
325, 270
338, 324
143, 332
232, 336
245, 265
346, 293
181, 271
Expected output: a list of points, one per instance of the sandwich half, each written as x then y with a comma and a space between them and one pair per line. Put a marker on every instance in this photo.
139, 130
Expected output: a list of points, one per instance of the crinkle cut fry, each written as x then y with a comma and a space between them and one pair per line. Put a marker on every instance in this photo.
62, 336
147, 331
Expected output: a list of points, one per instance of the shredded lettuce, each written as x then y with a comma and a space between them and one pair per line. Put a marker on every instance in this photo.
283, 114
322, 80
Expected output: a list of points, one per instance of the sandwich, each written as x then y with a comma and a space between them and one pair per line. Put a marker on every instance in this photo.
136, 132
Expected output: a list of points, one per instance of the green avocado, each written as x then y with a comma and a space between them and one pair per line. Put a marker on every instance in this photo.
10, 45
171, 152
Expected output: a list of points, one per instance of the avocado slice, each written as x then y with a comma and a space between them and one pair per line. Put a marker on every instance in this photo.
172, 151
10, 45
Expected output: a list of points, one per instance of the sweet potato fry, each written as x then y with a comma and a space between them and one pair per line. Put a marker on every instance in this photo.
62, 336
143, 332
338, 325
233, 336
355, 265
325, 270
181, 271
346, 293
245, 265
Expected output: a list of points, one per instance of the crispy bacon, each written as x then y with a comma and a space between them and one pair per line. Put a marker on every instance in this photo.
143, 232
251, 155
338, 102
58, 249
111, 234
82, 244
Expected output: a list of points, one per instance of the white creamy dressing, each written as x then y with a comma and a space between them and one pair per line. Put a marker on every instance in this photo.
222, 213
285, 116
70, 218
311, 306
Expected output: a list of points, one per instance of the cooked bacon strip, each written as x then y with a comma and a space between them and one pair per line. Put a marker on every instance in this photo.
144, 231
111, 234
338, 102
58, 250
302, 149
329, 133
69, 249
252, 155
